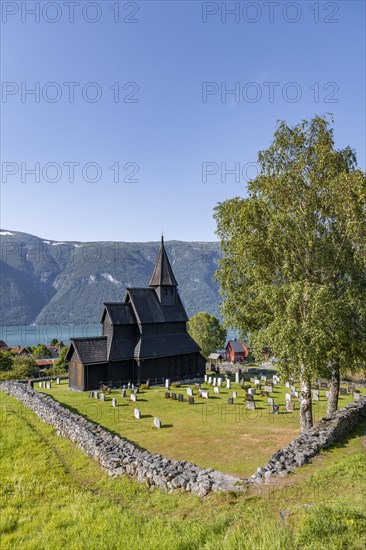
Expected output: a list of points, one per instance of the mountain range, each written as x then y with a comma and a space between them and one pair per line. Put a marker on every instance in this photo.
44, 281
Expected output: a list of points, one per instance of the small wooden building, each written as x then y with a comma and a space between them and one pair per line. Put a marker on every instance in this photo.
236, 351
143, 338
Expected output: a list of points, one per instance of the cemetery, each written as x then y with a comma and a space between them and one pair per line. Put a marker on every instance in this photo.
232, 429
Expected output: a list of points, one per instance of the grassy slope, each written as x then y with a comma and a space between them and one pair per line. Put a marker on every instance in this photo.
210, 434
53, 496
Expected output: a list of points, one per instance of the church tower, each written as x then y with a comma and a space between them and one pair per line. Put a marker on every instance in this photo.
162, 280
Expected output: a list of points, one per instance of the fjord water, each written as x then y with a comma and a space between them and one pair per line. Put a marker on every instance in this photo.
31, 335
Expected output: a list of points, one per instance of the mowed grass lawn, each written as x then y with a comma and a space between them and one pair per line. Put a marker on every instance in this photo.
210, 433
52, 496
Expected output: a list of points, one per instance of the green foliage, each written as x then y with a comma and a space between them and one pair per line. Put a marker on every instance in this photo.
42, 352
293, 272
24, 367
6, 361
207, 331
60, 363
56, 342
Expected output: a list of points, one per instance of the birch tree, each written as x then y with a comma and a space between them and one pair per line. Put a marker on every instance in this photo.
293, 266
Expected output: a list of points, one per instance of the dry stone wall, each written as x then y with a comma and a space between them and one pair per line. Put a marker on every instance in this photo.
118, 456
322, 436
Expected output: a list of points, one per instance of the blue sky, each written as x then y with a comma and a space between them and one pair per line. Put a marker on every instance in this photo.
163, 138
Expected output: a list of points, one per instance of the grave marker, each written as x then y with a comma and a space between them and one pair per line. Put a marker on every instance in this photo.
343, 391
228, 383
288, 397
237, 378
270, 401
137, 414
290, 406
249, 397
219, 382
174, 396
230, 401
180, 397
251, 405
275, 409
157, 423
58, 381
204, 394
133, 397
315, 395
268, 389
102, 396
114, 402
123, 393
235, 394
356, 395
167, 384
191, 400
167, 395
189, 392
216, 389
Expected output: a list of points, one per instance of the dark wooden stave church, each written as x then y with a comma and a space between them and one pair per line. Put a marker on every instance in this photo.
144, 338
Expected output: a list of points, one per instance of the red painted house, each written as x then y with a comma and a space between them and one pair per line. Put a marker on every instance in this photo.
236, 351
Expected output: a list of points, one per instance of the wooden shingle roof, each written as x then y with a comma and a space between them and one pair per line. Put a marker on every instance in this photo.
148, 308
163, 274
90, 350
120, 313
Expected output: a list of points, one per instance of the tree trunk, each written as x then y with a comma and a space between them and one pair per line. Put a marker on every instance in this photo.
306, 413
333, 390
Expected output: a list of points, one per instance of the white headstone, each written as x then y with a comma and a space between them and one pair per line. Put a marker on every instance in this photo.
268, 389
270, 401
292, 388
39, 384
252, 391
114, 402
264, 378
257, 382
58, 381
287, 384
157, 423
214, 381
228, 383
235, 394
219, 382
102, 396
190, 392
133, 397
206, 377
167, 384
356, 395
137, 414
210, 379
288, 397
204, 394
216, 389
315, 395
237, 377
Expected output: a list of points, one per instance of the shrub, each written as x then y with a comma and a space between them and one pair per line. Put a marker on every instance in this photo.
175, 385
144, 387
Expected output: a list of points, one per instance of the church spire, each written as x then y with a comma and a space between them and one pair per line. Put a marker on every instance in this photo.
163, 274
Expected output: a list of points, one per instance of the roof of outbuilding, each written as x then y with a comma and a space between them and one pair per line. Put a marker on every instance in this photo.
90, 350
149, 309
236, 346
